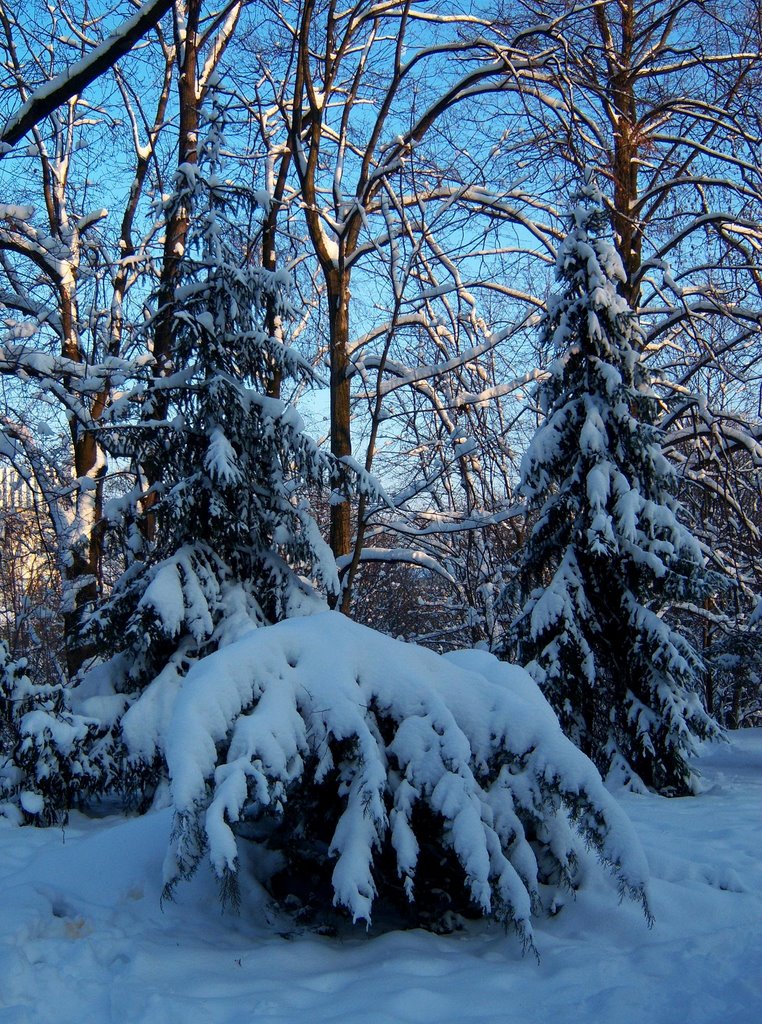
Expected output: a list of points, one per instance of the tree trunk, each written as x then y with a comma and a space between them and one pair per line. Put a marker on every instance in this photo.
176, 232
341, 438
626, 146
81, 567
273, 321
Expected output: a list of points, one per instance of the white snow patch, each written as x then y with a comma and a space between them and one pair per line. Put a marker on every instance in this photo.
83, 936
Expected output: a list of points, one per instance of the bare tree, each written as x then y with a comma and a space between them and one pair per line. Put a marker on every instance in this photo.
75, 276
356, 110
48, 96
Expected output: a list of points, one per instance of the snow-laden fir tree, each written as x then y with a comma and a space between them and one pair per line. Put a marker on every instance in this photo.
607, 553
342, 768
734, 664
233, 531
49, 756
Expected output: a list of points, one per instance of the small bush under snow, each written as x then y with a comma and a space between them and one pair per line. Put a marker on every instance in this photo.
50, 757
383, 774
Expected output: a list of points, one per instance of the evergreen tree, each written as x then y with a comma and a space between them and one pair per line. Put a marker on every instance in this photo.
347, 770
734, 663
607, 552
232, 529
49, 756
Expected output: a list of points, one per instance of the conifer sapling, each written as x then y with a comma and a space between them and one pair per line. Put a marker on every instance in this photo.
607, 552
236, 545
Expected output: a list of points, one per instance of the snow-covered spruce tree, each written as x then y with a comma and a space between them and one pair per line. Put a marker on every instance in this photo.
49, 756
340, 766
232, 529
607, 553
734, 660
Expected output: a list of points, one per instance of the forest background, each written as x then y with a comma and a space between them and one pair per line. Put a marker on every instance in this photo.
404, 168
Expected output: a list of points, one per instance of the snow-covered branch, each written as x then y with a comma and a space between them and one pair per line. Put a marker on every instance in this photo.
73, 80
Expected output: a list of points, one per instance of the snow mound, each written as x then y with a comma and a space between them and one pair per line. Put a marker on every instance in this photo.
83, 936
407, 772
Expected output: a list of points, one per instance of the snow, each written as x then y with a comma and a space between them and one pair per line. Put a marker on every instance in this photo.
164, 594
472, 737
83, 935
10, 211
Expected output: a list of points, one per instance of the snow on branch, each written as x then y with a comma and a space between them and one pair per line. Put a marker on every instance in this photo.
73, 80
389, 771
407, 555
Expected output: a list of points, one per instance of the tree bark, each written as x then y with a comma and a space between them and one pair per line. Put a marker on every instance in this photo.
626, 146
176, 233
341, 438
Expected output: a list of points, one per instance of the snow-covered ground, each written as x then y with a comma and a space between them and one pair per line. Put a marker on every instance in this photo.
83, 937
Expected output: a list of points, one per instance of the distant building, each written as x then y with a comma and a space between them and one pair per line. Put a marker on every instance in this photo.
15, 493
